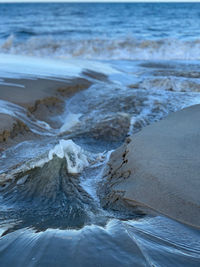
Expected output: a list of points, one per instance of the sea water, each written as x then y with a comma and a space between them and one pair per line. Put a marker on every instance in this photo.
147, 59
101, 31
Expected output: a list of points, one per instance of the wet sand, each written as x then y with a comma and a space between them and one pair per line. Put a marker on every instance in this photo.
44, 208
27, 91
158, 168
42, 98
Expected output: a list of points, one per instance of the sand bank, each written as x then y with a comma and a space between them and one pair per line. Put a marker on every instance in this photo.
29, 91
159, 168
43, 98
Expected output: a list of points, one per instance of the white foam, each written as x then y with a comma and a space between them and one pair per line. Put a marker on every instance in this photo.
71, 120
15, 66
119, 48
77, 159
90, 182
74, 155
18, 112
24, 66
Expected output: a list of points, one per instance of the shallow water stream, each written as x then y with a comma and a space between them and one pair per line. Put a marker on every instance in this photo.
50, 211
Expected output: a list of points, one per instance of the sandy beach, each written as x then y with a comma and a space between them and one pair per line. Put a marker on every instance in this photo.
99, 134
42, 98
91, 156
159, 168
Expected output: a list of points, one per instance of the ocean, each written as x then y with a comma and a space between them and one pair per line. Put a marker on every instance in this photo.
137, 31
76, 80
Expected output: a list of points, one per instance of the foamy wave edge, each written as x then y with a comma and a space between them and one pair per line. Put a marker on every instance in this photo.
123, 48
77, 159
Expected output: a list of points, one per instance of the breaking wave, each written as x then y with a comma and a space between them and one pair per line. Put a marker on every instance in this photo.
123, 48
57, 186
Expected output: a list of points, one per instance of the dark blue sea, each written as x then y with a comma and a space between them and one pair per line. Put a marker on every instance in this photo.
134, 31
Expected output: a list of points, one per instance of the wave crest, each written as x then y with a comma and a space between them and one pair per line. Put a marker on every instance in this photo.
123, 48
74, 155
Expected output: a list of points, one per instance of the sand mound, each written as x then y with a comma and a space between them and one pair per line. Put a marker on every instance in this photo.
159, 168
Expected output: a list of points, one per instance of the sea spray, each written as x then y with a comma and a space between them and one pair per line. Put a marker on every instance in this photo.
74, 155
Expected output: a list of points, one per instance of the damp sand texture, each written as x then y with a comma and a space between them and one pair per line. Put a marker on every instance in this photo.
160, 168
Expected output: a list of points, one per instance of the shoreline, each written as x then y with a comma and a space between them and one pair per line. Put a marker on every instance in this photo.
42, 98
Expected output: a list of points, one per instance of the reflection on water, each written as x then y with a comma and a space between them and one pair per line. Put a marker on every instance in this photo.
50, 213
150, 242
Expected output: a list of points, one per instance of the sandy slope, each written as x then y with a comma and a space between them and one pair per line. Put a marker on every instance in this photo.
160, 168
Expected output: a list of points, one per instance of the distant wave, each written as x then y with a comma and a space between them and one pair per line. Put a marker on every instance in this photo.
124, 48
25, 32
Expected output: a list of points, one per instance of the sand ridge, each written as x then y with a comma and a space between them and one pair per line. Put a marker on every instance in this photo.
159, 168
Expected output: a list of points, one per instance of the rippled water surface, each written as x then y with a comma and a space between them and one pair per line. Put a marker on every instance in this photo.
142, 63
50, 203
127, 31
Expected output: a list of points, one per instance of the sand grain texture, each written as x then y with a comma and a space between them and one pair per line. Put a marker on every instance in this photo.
160, 168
